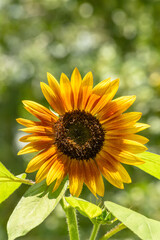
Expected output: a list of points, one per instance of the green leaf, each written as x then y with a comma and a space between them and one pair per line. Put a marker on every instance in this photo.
87, 209
7, 176
145, 228
105, 217
151, 165
7, 188
36, 204
9, 183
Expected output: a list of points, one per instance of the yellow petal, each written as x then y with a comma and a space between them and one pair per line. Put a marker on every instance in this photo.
109, 172
56, 169
52, 99
112, 177
66, 91
63, 173
125, 144
76, 80
27, 123
133, 137
76, 177
124, 156
93, 178
136, 137
107, 96
116, 107
137, 127
38, 160
122, 121
44, 169
101, 87
86, 88
89, 177
33, 147
54, 85
40, 111
38, 130
35, 138
97, 92
59, 180
113, 165
98, 179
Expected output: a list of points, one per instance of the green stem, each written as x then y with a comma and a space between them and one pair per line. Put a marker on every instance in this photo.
94, 231
26, 181
20, 180
113, 231
71, 220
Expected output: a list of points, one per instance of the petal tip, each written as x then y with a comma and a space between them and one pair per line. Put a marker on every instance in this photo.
24, 102
76, 69
19, 153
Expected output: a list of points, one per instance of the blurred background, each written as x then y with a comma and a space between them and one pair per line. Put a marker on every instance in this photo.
111, 39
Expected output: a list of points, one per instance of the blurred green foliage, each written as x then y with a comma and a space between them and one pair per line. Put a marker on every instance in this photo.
111, 39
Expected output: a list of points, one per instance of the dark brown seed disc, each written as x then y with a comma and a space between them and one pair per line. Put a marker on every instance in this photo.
79, 135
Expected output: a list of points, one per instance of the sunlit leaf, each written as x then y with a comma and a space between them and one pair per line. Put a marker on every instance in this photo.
145, 228
87, 209
33, 208
7, 188
9, 183
151, 165
7, 176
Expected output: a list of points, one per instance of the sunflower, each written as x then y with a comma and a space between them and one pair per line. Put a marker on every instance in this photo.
85, 136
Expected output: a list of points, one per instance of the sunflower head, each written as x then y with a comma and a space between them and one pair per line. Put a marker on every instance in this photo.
90, 135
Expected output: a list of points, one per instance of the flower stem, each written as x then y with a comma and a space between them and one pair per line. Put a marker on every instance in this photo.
113, 231
71, 220
94, 231
20, 180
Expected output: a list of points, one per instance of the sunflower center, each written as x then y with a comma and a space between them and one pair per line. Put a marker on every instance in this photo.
79, 135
